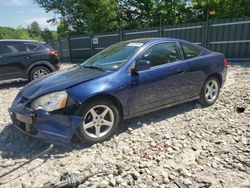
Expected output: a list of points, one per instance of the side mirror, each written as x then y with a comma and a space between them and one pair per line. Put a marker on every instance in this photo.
141, 65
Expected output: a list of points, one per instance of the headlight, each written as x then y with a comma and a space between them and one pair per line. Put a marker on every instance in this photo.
51, 101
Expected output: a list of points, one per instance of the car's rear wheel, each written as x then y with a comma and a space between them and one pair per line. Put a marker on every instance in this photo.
101, 118
38, 72
210, 92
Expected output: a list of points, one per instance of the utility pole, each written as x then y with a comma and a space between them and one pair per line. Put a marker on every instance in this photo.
207, 24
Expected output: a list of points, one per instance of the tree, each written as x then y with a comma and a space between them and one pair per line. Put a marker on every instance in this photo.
99, 16
34, 29
84, 16
48, 35
63, 29
222, 8
94, 16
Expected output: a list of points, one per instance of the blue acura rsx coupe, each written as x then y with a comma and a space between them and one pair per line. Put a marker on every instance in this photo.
127, 79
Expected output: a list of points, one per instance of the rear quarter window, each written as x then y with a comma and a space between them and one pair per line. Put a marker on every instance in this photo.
31, 46
189, 51
46, 46
39, 47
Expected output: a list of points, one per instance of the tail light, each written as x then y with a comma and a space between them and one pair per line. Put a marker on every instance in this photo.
53, 52
225, 63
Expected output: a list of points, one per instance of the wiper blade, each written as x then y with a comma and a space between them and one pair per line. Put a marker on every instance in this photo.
94, 67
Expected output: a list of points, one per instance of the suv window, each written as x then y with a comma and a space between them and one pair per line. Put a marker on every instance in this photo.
1, 50
189, 51
31, 46
13, 47
46, 46
161, 54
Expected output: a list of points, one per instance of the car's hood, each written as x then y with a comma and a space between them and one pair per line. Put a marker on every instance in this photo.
60, 80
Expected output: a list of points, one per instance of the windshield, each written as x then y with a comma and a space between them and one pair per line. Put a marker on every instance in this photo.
112, 57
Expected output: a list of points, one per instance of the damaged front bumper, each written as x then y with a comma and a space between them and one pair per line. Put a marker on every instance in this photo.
49, 127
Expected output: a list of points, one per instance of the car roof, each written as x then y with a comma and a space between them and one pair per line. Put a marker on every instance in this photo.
152, 40
146, 40
17, 40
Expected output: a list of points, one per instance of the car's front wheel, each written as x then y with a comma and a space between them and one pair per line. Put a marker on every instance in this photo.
101, 118
210, 92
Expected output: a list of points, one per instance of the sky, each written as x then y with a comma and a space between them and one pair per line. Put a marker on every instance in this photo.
16, 13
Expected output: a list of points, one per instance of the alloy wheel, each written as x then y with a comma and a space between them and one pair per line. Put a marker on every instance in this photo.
40, 72
98, 121
212, 90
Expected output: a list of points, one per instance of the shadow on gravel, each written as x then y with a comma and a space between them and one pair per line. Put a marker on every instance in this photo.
16, 145
13, 84
160, 115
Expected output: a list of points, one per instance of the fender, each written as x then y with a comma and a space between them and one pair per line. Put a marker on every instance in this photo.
102, 87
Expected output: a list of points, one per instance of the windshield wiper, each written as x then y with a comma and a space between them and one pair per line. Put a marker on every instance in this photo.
94, 67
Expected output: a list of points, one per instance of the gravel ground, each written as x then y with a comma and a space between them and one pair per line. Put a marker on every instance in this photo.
186, 144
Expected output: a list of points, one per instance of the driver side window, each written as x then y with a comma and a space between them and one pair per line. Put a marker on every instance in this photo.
160, 54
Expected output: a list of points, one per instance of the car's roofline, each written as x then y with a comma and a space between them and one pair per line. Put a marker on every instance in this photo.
157, 40
147, 40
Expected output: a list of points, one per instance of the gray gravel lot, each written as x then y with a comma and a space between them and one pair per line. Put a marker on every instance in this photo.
199, 147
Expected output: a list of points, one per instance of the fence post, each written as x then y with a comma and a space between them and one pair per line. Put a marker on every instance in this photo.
207, 29
69, 45
160, 31
121, 35
60, 49
91, 44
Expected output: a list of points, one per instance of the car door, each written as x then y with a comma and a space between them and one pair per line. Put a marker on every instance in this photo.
164, 82
13, 60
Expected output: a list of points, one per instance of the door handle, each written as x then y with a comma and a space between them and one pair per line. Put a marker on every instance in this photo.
28, 57
179, 70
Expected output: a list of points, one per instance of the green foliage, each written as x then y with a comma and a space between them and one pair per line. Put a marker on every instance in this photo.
48, 35
83, 16
63, 29
222, 8
10, 33
99, 15
95, 16
33, 31
150, 13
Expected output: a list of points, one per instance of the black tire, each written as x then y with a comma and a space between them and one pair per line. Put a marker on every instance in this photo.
85, 136
205, 101
33, 73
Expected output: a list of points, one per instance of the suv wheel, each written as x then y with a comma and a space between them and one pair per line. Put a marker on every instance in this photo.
210, 92
101, 119
39, 71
